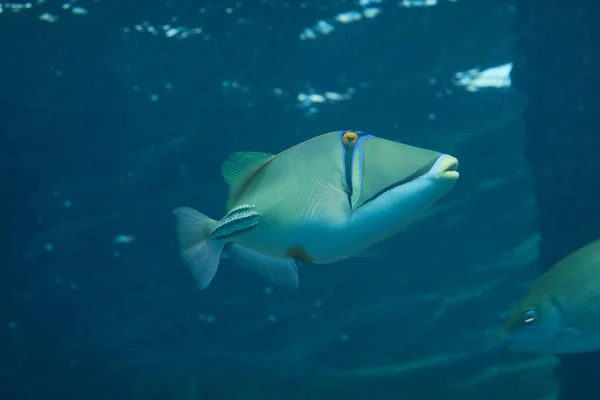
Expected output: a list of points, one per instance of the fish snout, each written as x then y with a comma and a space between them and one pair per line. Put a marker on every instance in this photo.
446, 167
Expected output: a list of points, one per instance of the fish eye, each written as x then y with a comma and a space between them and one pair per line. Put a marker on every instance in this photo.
529, 316
349, 138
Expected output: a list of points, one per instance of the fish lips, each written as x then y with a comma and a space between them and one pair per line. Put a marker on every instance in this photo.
446, 167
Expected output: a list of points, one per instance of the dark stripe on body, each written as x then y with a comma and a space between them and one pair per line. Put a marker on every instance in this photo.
348, 157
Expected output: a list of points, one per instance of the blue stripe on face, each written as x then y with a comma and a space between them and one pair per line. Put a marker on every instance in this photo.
357, 180
343, 149
348, 158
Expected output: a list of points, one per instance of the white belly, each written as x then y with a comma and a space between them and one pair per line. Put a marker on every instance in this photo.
322, 243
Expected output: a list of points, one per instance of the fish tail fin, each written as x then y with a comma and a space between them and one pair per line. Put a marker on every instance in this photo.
198, 251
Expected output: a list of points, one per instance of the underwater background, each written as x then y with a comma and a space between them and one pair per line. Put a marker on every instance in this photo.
116, 112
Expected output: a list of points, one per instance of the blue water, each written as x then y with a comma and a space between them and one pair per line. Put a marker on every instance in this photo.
118, 112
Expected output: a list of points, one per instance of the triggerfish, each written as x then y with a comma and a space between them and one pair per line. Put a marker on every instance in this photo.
561, 313
320, 201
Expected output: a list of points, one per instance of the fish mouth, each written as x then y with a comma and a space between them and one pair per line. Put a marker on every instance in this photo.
447, 167
442, 167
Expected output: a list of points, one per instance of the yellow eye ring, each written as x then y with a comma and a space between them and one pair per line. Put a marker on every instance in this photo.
349, 138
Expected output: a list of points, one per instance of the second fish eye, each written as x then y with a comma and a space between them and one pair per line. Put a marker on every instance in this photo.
529, 316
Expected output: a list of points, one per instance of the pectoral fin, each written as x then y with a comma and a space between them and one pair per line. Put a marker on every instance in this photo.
278, 270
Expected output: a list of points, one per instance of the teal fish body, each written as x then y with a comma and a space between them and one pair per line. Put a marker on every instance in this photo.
321, 201
561, 313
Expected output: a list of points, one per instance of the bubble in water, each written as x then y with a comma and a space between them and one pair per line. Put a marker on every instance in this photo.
79, 11
123, 239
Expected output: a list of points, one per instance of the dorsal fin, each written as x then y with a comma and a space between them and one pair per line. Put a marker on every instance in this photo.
240, 167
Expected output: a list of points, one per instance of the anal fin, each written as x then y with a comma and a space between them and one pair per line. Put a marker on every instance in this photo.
278, 270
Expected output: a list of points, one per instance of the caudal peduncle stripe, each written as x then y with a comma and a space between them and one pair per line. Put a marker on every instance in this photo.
241, 219
217, 234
